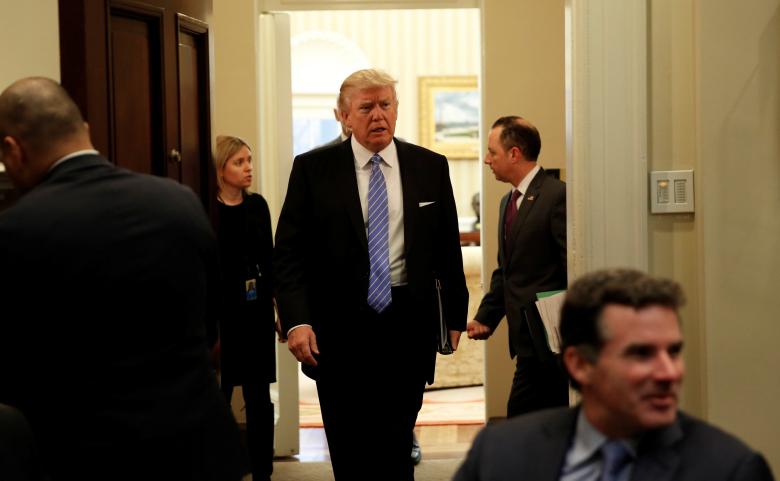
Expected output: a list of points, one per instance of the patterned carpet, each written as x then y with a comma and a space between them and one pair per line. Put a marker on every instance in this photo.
453, 406
466, 366
427, 470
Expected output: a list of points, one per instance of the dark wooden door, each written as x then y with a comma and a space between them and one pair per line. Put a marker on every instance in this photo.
139, 70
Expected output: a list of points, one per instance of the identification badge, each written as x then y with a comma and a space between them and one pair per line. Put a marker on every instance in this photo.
251, 289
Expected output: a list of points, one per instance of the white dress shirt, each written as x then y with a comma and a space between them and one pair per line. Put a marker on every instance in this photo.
523, 185
391, 172
395, 205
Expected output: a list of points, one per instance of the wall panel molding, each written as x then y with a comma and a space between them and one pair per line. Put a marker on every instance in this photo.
607, 121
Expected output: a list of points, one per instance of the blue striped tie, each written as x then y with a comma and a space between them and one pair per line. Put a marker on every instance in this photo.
379, 295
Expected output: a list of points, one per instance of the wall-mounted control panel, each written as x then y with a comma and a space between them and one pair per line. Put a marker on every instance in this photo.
671, 191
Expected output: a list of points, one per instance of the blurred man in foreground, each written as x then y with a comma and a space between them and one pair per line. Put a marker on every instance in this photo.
622, 348
108, 273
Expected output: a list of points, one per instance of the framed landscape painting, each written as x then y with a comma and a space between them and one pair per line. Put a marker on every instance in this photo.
449, 116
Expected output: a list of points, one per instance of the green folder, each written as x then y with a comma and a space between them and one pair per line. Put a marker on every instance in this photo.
542, 295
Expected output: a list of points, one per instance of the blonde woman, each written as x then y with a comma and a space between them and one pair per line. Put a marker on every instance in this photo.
245, 343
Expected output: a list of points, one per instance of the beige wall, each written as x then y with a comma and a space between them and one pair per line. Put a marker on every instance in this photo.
33, 24
738, 94
517, 79
234, 92
715, 107
672, 145
30, 36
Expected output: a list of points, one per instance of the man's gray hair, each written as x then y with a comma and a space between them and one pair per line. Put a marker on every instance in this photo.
364, 79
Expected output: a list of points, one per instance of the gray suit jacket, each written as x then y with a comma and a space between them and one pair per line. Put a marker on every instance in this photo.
532, 260
534, 446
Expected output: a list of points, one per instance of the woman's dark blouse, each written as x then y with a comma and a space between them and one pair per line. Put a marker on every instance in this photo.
246, 328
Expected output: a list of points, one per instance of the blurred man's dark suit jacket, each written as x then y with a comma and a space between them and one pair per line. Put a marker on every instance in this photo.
107, 274
325, 282
534, 447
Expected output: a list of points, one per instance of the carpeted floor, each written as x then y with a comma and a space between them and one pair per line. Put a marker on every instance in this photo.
454, 406
427, 470
466, 366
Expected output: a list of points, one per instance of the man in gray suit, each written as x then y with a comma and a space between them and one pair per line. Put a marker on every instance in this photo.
622, 348
531, 259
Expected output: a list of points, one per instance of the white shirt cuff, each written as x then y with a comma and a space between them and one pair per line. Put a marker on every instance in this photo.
296, 327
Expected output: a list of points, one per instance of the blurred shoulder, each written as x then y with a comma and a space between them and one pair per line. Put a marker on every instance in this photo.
532, 425
700, 439
703, 434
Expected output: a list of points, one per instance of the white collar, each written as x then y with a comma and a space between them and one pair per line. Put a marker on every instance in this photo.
72, 155
523, 185
363, 156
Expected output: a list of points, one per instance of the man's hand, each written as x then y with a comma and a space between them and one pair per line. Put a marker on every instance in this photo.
455, 339
303, 344
477, 330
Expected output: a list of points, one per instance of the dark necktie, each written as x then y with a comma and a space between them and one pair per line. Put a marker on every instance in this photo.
510, 212
379, 292
615, 456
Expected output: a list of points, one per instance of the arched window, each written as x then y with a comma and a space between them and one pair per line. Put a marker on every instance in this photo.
320, 62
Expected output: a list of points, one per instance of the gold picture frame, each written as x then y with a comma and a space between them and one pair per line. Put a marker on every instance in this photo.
449, 115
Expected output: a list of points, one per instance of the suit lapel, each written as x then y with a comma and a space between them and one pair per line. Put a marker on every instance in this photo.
502, 252
657, 460
346, 179
407, 168
529, 200
559, 434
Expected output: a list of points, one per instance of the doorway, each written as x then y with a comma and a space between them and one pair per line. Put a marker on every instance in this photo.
326, 46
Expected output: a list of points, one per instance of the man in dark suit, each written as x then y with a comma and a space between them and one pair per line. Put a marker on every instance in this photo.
367, 239
531, 259
107, 274
622, 348
344, 133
